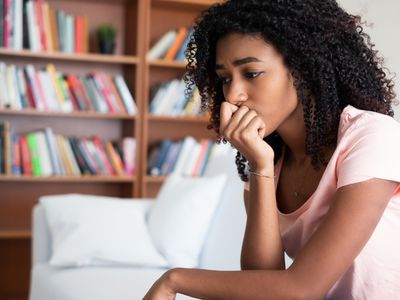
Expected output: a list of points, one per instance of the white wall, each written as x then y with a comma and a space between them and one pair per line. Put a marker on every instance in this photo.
384, 17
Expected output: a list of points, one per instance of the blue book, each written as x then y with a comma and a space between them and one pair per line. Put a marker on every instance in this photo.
181, 52
164, 147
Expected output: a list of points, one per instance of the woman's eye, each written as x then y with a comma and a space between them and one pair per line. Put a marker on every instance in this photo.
225, 80
252, 74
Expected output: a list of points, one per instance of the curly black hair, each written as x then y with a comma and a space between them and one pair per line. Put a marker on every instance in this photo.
331, 58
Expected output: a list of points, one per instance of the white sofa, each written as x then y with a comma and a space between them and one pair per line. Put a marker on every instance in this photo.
221, 251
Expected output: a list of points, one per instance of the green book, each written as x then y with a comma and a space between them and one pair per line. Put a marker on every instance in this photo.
34, 151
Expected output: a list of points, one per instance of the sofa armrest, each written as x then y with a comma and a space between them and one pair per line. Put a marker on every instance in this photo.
41, 238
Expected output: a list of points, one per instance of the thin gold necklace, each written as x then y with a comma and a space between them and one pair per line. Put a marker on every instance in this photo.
298, 191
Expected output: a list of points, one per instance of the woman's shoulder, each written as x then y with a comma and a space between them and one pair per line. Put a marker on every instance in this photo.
356, 122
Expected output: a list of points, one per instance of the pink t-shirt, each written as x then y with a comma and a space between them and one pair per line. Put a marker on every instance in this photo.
368, 146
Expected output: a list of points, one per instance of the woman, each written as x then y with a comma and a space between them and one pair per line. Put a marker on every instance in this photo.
296, 88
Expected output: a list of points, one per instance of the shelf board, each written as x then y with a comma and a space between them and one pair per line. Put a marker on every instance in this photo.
15, 234
195, 3
60, 179
80, 57
76, 114
177, 119
154, 179
167, 63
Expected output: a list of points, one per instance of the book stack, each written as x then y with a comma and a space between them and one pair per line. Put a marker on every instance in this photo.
49, 90
172, 45
187, 157
171, 99
43, 153
33, 25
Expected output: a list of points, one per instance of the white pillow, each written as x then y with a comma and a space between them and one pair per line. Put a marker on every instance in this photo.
179, 219
94, 230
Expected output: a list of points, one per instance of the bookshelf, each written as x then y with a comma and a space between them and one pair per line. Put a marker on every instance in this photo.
139, 24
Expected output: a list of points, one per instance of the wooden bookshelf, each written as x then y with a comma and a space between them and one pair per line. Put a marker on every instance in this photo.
139, 24
15, 234
77, 57
61, 179
167, 63
76, 114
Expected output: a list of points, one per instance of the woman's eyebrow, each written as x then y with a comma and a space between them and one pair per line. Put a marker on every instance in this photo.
239, 62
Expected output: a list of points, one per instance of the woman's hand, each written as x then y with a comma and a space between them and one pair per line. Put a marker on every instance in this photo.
245, 130
161, 289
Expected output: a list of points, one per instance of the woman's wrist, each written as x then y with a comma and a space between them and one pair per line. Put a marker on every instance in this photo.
265, 170
171, 280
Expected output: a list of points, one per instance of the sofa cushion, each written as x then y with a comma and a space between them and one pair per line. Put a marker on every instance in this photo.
222, 248
100, 283
95, 230
180, 217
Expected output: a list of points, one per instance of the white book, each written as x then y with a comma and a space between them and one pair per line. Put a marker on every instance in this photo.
174, 98
13, 96
157, 98
54, 152
51, 105
187, 147
126, 95
44, 154
4, 99
162, 45
50, 86
164, 102
17, 30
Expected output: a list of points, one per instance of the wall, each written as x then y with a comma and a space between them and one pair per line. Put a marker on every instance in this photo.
384, 18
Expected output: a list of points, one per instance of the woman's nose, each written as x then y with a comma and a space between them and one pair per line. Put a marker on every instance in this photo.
236, 95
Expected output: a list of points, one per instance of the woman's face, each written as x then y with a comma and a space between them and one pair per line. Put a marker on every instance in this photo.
253, 73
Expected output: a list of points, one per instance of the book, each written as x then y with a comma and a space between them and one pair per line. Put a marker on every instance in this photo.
34, 153
125, 94
160, 48
173, 50
115, 159
129, 153
25, 156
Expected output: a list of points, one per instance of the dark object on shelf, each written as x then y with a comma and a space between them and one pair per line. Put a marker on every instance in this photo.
106, 38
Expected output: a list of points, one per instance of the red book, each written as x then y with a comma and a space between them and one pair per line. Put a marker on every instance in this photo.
40, 23
101, 87
25, 156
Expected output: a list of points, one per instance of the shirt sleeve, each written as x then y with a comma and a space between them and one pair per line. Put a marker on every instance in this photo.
372, 151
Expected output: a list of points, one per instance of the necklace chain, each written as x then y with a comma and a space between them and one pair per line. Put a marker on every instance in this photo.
296, 192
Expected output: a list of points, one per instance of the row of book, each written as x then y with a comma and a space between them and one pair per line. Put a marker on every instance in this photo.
172, 45
187, 157
49, 90
33, 25
171, 99
43, 153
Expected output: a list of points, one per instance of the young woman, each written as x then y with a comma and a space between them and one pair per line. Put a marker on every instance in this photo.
296, 87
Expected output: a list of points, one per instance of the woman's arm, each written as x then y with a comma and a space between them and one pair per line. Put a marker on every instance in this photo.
262, 244
356, 210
